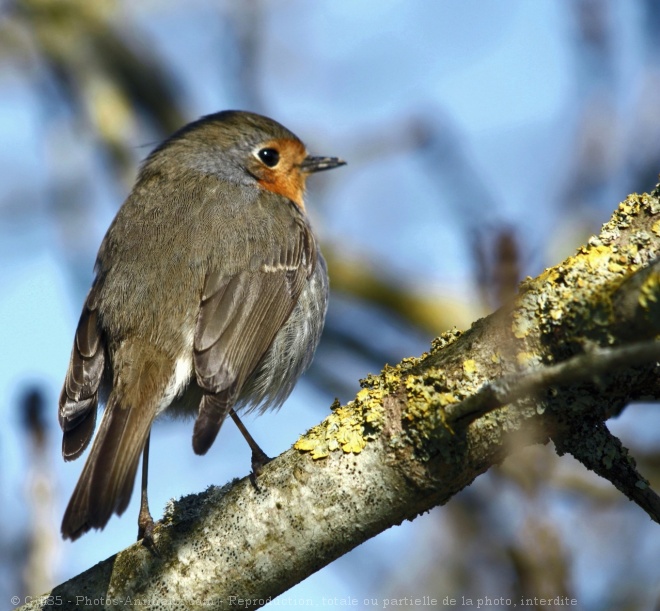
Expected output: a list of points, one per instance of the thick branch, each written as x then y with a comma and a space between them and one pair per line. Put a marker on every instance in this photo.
399, 449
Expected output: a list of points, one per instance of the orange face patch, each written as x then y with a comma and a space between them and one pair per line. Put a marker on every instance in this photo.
286, 178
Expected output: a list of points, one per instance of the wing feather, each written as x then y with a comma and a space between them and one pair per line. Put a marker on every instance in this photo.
239, 317
79, 396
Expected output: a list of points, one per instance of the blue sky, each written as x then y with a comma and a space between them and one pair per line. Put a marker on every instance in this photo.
350, 79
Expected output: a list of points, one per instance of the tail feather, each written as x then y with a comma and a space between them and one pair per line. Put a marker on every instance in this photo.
106, 483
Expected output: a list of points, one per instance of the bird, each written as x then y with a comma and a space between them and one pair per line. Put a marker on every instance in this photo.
209, 297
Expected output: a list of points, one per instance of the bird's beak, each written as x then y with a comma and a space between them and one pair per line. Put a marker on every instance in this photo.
318, 164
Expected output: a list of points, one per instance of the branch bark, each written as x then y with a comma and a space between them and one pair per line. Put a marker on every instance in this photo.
555, 364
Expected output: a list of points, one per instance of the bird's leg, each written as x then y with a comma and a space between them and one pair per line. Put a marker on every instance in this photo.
259, 457
145, 521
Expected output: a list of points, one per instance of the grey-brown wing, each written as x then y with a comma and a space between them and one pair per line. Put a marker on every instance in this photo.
79, 397
239, 318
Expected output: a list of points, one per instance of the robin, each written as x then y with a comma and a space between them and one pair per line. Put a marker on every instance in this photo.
210, 295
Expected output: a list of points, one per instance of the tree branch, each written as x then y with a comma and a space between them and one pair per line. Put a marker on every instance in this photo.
581, 368
551, 365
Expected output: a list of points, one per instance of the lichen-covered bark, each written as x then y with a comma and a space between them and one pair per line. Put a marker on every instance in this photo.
403, 445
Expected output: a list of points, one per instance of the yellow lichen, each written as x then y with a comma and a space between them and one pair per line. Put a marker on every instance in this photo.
616, 268
549, 275
444, 339
349, 427
446, 398
469, 367
352, 440
655, 228
596, 256
650, 292
626, 207
526, 359
522, 324
556, 313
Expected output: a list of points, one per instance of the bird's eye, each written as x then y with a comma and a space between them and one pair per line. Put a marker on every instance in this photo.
269, 156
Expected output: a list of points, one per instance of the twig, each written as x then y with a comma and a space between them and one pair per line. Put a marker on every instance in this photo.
581, 368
